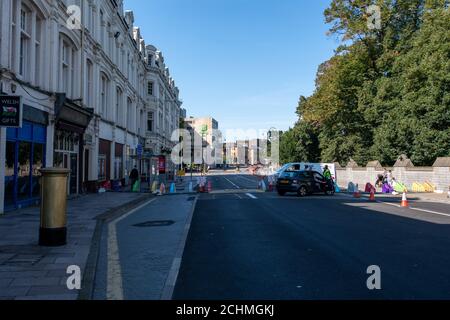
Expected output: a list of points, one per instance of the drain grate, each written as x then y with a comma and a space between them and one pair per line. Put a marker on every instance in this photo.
150, 224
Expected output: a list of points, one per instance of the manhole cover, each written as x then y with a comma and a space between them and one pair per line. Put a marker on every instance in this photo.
148, 224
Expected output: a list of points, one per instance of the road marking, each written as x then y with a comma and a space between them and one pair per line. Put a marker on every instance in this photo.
251, 196
238, 196
417, 209
114, 288
235, 185
248, 179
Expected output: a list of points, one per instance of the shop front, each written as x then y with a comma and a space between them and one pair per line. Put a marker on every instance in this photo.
104, 161
71, 123
25, 156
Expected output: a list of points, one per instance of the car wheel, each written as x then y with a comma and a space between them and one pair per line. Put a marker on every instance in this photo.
302, 192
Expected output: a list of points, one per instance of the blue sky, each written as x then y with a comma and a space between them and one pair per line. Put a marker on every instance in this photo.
244, 62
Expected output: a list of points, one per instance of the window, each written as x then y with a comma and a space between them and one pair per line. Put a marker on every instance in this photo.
65, 67
103, 95
101, 167
89, 83
150, 88
25, 42
150, 60
119, 113
150, 121
102, 29
129, 114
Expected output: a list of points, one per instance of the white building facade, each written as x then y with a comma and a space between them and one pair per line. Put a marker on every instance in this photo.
163, 112
85, 94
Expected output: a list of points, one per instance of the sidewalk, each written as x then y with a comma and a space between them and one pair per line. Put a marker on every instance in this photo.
31, 272
139, 253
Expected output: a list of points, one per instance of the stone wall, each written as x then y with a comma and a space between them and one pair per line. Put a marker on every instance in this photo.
403, 170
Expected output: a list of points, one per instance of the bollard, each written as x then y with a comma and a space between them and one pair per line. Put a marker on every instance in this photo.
53, 226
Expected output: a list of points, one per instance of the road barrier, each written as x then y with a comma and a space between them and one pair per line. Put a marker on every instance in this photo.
372, 196
172, 188
162, 189
154, 187
356, 193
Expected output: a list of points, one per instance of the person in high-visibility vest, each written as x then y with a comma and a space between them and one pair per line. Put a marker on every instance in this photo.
327, 173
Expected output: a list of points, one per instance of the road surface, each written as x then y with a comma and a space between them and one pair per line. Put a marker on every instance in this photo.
249, 245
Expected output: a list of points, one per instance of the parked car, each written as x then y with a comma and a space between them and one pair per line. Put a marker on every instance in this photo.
304, 183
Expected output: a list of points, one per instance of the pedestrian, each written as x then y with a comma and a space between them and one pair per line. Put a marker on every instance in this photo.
134, 176
327, 173
390, 178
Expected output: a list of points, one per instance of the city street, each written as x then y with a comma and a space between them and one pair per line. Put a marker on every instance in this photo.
250, 245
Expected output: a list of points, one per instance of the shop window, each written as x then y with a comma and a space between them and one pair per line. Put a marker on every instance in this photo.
23, 174
10, 172
38, 163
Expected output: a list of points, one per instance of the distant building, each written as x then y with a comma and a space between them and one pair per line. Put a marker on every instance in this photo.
206, 129
257, 151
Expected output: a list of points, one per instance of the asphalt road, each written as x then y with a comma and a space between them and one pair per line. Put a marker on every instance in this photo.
248, 245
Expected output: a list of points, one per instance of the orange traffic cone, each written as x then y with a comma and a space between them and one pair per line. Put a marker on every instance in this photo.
372, 195
404, 201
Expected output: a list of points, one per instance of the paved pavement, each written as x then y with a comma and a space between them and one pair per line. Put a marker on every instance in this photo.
28, 271
249, 245
140, 252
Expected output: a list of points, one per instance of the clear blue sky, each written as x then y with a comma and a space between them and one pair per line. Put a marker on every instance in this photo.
244, 62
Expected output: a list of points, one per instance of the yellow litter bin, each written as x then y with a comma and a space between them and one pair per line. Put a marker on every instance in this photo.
53, 227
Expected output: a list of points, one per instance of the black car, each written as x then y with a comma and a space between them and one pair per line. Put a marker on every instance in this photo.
304, 183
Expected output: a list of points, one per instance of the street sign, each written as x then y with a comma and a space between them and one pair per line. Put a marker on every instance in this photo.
11, 111
139, 150
204, 129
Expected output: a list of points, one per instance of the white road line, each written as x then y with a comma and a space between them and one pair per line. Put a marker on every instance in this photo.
234, 185
248, 179
251, 196
416, 209
114, 288
433, 212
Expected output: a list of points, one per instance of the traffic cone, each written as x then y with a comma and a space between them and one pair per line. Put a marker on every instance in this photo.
405, 203
162, 189
372, 195
172, 188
